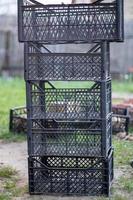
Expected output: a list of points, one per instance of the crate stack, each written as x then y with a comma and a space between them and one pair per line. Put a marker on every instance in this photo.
69, 129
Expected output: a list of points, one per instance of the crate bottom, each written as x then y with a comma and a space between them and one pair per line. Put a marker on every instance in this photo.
76, 189
71, 175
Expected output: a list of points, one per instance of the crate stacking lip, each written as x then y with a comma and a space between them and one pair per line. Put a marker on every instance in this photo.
64, 138
42, 64
81, 23
69, 104
71, 175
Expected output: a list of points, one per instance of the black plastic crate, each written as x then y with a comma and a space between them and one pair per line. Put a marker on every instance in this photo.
120, 110
63, 138
18, 120
42, 64
121, 119
93, 102
120, 123
81, 23
70, 175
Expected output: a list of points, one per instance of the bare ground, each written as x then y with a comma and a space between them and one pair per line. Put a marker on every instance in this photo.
15, 155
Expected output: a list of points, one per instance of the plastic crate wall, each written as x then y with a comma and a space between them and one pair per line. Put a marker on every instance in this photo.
67, 138
71, 176
50, 137
93, 102
43, 64
71, 23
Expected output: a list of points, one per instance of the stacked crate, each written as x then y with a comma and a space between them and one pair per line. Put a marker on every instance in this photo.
69, 129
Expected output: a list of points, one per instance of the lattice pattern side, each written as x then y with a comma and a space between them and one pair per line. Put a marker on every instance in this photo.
60, 175
68, 104
69, 23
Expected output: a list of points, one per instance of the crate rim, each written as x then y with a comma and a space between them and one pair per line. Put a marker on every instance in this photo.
108, 156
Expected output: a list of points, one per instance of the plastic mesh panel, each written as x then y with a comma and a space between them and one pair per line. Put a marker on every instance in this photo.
65, 66
69, 23
75, 175
79, 104
66, 138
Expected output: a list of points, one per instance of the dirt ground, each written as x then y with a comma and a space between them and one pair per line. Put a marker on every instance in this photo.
15, 155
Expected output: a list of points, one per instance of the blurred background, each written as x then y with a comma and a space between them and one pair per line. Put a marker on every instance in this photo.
11, 51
